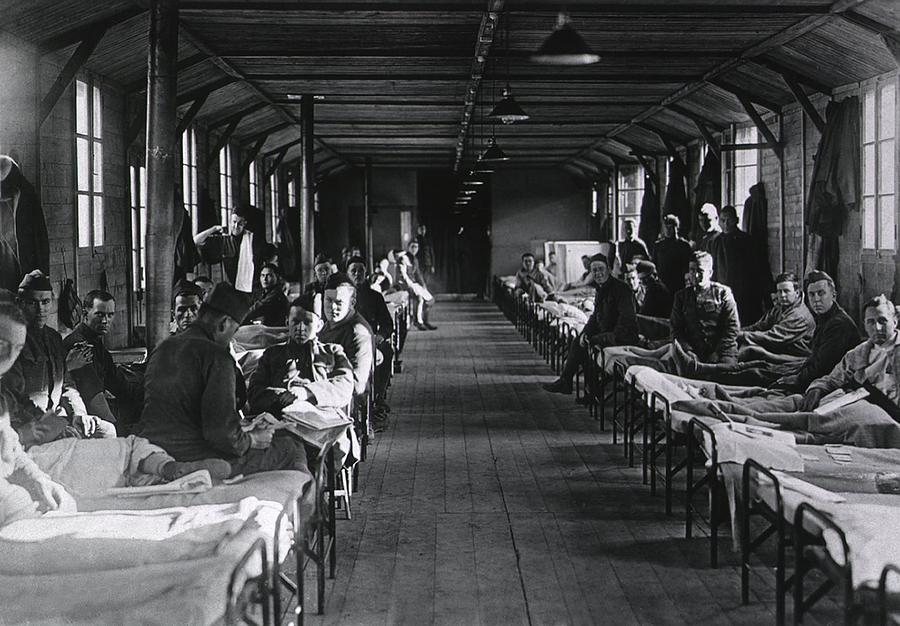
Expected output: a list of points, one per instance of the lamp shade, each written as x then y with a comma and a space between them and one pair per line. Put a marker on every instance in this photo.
494, 153
508, 110
565, 46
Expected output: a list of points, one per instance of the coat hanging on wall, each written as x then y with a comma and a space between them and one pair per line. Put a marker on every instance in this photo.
676, 197
24, 243
708, 189
648, 231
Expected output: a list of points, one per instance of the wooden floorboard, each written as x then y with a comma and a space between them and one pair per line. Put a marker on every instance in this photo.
489, 501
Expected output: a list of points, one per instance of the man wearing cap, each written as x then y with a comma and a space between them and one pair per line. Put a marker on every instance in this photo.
671, 255
532, 281
190, 407
346, 327
239, 252
371, 305
321, 270
709, 222
304, 368
43, 401
270, 308
613, 322
102, 374
186, 300
657, 299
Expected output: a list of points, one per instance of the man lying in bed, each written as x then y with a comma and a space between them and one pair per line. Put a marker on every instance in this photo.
871, 366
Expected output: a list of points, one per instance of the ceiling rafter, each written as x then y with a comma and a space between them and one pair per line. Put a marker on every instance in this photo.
796, 30
76, 35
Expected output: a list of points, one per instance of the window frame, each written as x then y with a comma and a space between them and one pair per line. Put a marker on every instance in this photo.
226, 184
256, 199
732, 166
875, 89
189, 169
621, 191
93, 192
274, 214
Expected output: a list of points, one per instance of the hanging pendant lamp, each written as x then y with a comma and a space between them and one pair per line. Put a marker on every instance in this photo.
508, 110
494, 153
565, 46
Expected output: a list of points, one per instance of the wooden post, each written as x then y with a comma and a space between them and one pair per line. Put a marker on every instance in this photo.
367, 182
307, 185
161, 145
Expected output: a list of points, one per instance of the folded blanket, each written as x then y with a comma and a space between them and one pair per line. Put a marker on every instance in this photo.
255, 336
871, 533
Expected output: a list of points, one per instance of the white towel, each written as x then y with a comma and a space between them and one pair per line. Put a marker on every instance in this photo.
243, 281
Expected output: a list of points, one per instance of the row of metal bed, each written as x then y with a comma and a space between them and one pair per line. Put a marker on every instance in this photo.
821, 506
237, 552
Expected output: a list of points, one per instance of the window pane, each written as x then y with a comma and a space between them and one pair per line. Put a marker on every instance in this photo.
747, 134
868, 222
869, 170
81, 108
193, 147
886, 167
746, 157
98, 220
133, 188
83, 164
97, 169
98, 114
84, 220
143, 188
869, 116
888, 102
886, 225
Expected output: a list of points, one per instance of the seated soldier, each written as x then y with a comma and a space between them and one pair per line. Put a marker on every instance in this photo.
41, 397
704, 324
370, 304
586, 280
190, 405
304, 368
867, 422
186, 300
422, 299
784, 332
322, 270
835, 333
613, 322
346, 327
531, 281
657, 299
382, 279
630, 278
102, 374
271, 306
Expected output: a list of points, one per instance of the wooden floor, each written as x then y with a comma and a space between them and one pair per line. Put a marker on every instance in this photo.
490, 501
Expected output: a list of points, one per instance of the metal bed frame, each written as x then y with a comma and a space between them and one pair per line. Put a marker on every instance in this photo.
708, 479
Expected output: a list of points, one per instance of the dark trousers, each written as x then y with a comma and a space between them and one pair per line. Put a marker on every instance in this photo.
383, 372
578, 356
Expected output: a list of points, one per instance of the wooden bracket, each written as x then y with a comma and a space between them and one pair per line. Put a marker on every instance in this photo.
761, 126
701, 125
82, 53
221, 141
805, 104
278, 159
254, 152
191, 113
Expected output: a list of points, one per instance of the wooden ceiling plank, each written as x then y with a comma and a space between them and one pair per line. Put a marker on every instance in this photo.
778, 68
742, 94
763, 128
72, 37
867, 23
183, 65
193, 94
701, 125
82, 53
225, 121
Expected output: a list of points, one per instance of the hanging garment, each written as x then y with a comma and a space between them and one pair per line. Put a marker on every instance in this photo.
243, 280
676, 196
289, 244
708, 190
756, 211
24, 242
186, 254
835, 179
648, 231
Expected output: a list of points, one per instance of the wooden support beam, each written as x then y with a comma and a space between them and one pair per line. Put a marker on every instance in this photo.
254, 152
701, 125
732, 147
868, 23
805, 104
162, 217
268, 131
71, 37
185, 64
206, 90
742, 94
191, 113
779, 68
763, 128
82, 53
278, 159
221, 141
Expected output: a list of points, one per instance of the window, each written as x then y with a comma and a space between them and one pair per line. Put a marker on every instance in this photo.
631, 193
743, 169
291, 191
138, 176
226, 184
253, 176
878, 194
189, 176
89, 163
273, 200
